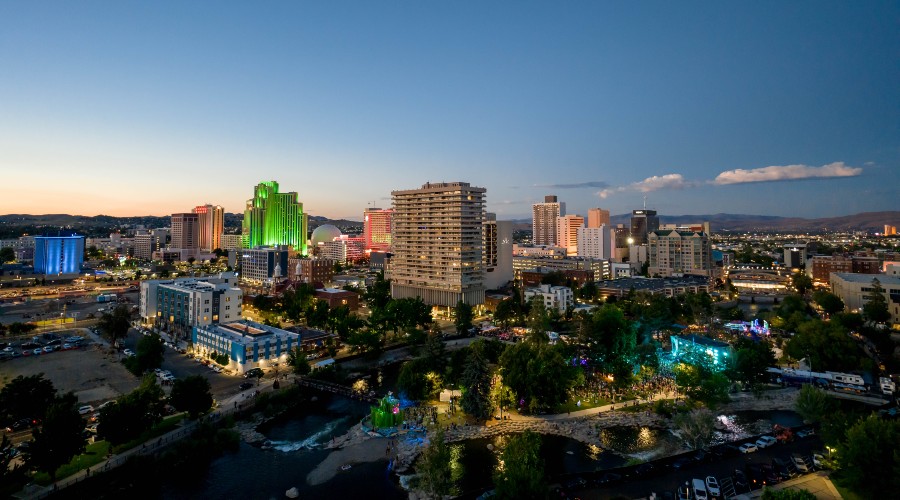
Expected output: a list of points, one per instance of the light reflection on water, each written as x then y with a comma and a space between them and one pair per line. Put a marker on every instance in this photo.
633, 439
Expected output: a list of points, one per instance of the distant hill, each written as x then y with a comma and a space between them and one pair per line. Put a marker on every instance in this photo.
866, 221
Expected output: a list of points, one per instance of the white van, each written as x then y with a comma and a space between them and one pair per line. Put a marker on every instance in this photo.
699, 487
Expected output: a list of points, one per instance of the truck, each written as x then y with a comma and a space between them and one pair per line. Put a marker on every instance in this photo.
106, 297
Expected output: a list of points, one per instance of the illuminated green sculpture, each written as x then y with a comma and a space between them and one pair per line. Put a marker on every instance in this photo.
387, 413
272, 218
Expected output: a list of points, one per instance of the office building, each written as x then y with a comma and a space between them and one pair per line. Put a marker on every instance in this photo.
567, 232
556, 298
247, 344
344, 249
185, 304
676, 252
498, 252
855, 288
211, 226
599, 267
263, 264
670, 287
273, 218
642, 223
438, 244
543, 220
795, 255
377, 224
149, 288
595, 242
57, 255
185, 231
311, 270
148, 241
597, 217
824, 265
890, 230
231, 242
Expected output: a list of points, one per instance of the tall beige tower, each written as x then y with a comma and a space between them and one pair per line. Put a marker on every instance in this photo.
597, 217
438, 244
186, 231
211, 226
543, 220
567, 232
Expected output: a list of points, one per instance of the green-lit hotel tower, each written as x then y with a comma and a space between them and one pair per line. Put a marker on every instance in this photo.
272, 218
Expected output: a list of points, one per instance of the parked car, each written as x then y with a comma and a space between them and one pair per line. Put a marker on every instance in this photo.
806, 433
748, 448
782, 468
84, 410
246, 385
684, 492
765, 441
818, 460
19, 425
128, 352
698, 488
739, 479
39, 351
800, 462
254, 372
712, 487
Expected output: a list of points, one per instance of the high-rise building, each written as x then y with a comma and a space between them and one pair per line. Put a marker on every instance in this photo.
438, 244
597, 217
543, 220
377, 229
211, 226
58, 254
567, 232
273, 218
642, 223
890, 230
185, 231
148, 241
595, 242
679, 252
264, 264
498, 252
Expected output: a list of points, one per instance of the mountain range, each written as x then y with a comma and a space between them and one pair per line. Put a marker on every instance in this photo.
867, 221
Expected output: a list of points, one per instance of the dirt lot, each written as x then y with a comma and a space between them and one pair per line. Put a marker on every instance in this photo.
92, 374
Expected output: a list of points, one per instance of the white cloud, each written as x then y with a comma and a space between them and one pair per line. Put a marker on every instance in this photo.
655, 183
786, 173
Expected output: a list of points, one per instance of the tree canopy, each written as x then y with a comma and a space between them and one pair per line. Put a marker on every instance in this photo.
115, 324
59, 438
522, 475
132, 413
192, 395
26, 397
868, 456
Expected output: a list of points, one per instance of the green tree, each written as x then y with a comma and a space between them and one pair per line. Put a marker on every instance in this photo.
787, 494
298, 363
148, 354
435, 352
434, 466
538, 321
505, 313
476, 381
696, 427
115, 325
868, 457
133, 413
875, 310
464, 316
750, 361
317, 314
826, 345
537, 374
829, 302
701, 384
10, 477
522, 475
412, 381
7, 254
801, 282
588, 292
59, 438
813, 404
378, 295
192, 395
26, 397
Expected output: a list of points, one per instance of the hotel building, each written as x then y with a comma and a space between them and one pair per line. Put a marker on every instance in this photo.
677, 252
567, 233
273, 218
58, 254
246, 343
211, 225
543, 220
377, 224
438, 244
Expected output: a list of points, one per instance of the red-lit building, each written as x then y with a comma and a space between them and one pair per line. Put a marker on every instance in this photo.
377, 225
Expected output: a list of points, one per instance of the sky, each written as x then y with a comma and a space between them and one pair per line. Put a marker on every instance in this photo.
151, 108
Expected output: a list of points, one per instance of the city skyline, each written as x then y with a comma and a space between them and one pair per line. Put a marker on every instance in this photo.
763, 108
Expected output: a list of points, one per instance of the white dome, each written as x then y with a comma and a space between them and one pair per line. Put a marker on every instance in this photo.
323, 233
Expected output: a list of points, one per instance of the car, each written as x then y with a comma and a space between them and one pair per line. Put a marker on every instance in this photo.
712, 487
39, 351
819, 461
246, 385
92, 428
108, 403
800, 462
782, 468
66, 346
254, 372
806, 433
765, 441
157, 370
26, 352
84, 410
7, 349
682, 463
683, 492
748, 448
19, 425
698, 488
128, 352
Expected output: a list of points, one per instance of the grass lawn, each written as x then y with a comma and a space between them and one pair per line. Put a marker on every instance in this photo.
93, 454
572, 405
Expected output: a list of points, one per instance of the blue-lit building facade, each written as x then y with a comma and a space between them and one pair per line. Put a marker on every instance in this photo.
58, 255
695, 349
247, 344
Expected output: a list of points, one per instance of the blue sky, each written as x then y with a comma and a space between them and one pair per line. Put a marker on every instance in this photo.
133, 108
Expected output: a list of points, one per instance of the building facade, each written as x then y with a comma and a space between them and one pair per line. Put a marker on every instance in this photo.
556, 298
854, 289
273, 218
246, 343
183, 305
149, 241
567, 233
438, 244
597, 217
595, 242
498, 252
311, 270
186, 231
211, 226
643, 222
263, 264
543, 220
377, 227
231, 242
55, 255
675, 252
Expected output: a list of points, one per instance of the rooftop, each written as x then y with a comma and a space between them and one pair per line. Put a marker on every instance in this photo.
885, 279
